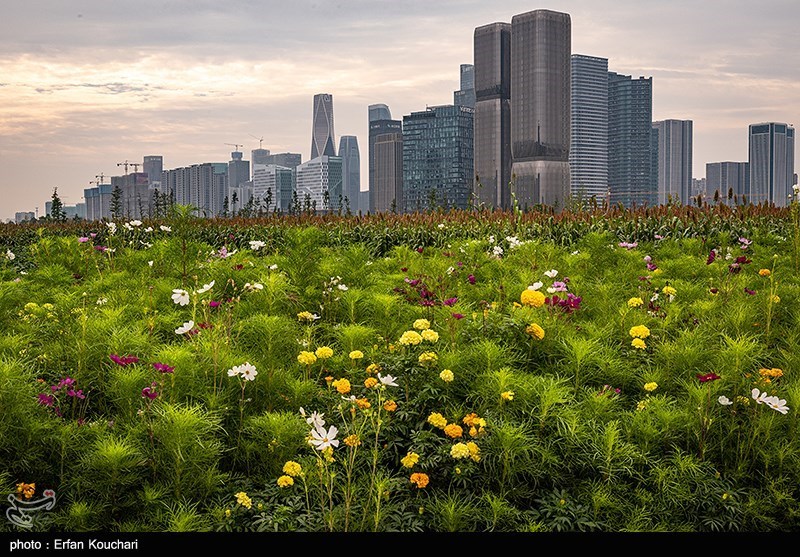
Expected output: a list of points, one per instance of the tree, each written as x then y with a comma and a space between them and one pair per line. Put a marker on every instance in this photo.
57, 208
225, 207
116, 202
234, 203
268, 198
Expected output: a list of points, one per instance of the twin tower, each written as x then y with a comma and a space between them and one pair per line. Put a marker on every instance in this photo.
522, 111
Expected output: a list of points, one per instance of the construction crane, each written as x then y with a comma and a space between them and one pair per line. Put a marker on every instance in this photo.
259, 139
100, 178
136, 166
125, 164
237, 145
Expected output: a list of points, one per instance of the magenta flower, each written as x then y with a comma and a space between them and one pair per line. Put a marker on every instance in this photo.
471, 279
458, 316
93, 234
628, 245
705, 378
214, 304
163, 368
419, 250
123, 360
712, 255
83, 239
149, 392
46, 400
659, 237
647, 259
450, 302
101, 249
750, 292
714, 290
652, 267
76, 394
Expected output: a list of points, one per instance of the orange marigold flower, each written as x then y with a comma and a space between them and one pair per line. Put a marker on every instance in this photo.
363, 403
352, 440
342, 386
453, 431
370, 382
390, 406
419, 479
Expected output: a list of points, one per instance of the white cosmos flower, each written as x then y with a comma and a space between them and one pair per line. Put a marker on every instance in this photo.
101, 301
322, 439
10, 255
497, 251
127, 226
253, 287
234, 371
180, 296
576, 252
185, 328
758, 396
165, 228
342, 287
112, 228
136, 223
248, 371
552, 273
550, 290
315, 419
256, 245
206, 287
387, 380
150, 263
148, 229
536, 286
724, 401
779, 405
273, 267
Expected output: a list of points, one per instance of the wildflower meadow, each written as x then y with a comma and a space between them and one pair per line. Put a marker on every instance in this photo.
600, 370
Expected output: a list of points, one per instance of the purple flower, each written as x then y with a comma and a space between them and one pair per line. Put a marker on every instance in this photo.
659, 237
149, 392
459, 264
471, 279
744, 243
214, 304
46, 400
647, 259
458, 316
419, 250
628, 245
712, 255
93, 234
450, 302
404, 269
123, 360
750, 292
652, 267
83, 239
163, 368
559, 286
76, 394
101, 249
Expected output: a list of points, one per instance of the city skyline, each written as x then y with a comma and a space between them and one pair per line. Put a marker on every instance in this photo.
83, 88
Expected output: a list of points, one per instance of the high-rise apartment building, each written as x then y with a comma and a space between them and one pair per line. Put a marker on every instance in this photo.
351, 172
771, 163
98, 202
386, 193
381, 123
203, 185
631, 179
288, 160
466, 95
318, 182
437, 158
273, 186
540, 107
259, 156
727, 181
322, 136
588, 153
674, 161
136, 195
492, 118
153, 166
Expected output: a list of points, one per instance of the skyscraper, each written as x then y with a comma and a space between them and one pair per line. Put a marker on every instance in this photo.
674, 161
380, 123
259, 156
437, 158
322, 137
630, 147
351, 172
727, 181
540, 107
273, 186
492, 141
288, 160
588, 153
238, 175
386, 192
153, 166
319, 181
466, 95
771, 163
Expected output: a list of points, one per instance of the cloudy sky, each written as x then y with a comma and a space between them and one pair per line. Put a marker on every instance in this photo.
85, 84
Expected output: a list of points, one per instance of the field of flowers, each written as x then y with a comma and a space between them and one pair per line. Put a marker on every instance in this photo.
459, 372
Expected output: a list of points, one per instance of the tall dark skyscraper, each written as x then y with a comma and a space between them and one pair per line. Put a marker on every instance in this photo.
351, 172
540, 107
466, 95
724, 180
771, 163
322, 137
588, 152
153, 166
492, 159
386, 193
674, 161
259, 156
631, 149
437, 158
380, 123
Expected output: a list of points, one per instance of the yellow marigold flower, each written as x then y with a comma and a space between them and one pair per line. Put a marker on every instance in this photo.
774, 372
532, 298
638, 343
342, 386
535, 330
305, 316
227, 513
669, 291
459, 451
410, 459
352, 440
390, 406
328, 454
419, 479
245, 501
26, 490
363, 403
764, 272
471, 419
285, 481
306, 358
437, 420
641, 405
356, 355
635, 302
446, 375
324, 352
651, 386
430, 335
474, 451
775, 299
428, 358
373, 368
292, 468
410, 338
328, 379
743, 399
639, 331
422, 324
507, 395
370, 382
453, 431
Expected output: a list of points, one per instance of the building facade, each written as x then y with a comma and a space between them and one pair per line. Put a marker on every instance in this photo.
588, 154
771, 146
288, 160
204, 186
386, 193
351, 172
318, 183
727, 182
492, 118
98, 202
631, 179
437, 158
323, 141
540, 107
381, 123
153, 166
674, 161
465, 96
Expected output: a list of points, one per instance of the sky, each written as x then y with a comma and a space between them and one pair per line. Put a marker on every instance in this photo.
87, 84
